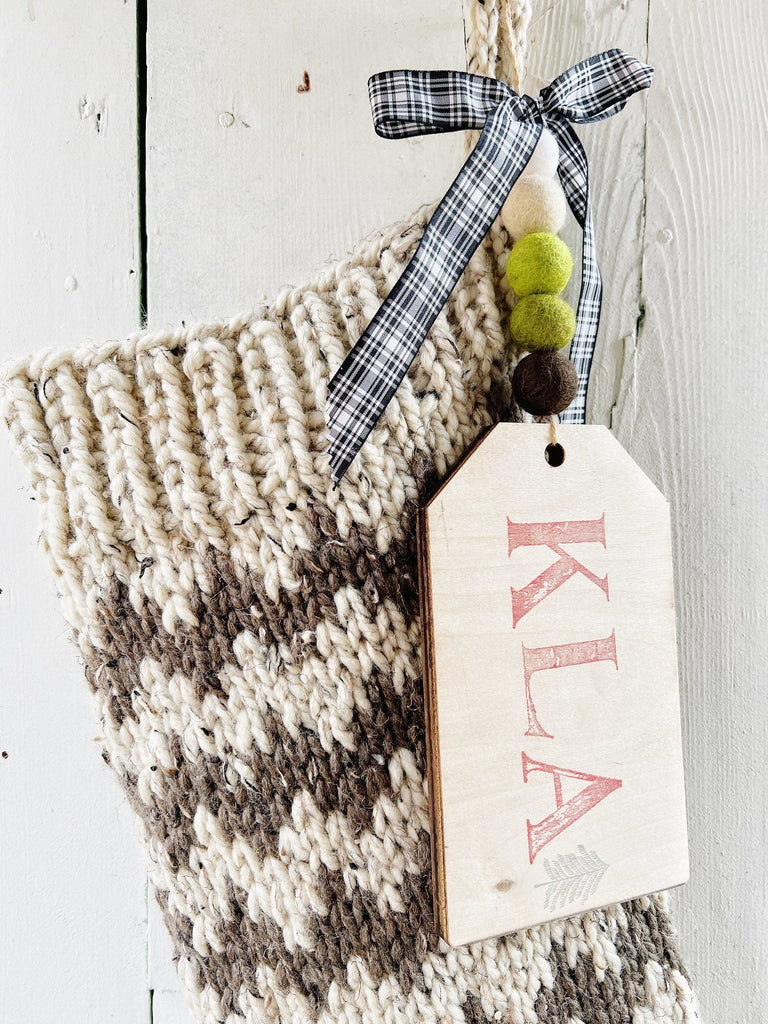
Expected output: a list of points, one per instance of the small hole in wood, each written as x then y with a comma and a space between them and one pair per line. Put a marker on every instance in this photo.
554, 454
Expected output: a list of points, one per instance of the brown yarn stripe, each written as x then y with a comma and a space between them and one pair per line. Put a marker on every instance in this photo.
339, 780
384, 949
389, 945
238, 604
577, 992
650, 932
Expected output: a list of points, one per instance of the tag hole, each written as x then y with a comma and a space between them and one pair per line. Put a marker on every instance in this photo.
554, 454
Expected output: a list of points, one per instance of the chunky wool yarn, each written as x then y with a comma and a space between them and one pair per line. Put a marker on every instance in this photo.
251, 640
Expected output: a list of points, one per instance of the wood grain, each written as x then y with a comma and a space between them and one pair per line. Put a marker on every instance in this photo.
251, 183
435, 783
605, 706
71, 870
679, 374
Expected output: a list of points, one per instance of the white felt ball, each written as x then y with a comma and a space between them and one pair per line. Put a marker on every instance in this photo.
535, 203
544, 158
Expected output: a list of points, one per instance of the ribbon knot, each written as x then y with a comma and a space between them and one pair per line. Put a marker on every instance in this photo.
408, 103
533, 109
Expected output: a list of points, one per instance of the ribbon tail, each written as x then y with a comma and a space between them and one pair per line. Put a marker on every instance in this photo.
369, 376
407, 103
574, 177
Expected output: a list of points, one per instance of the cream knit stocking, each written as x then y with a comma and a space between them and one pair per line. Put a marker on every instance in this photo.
251, 640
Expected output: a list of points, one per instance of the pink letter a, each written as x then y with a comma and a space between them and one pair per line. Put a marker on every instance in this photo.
545, 831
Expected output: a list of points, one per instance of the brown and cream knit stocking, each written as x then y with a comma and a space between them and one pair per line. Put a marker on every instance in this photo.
251, 640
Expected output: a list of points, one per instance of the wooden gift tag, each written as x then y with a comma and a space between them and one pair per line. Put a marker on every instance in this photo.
555, 761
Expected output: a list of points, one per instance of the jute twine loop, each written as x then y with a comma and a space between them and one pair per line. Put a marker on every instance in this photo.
497, 46
497, 42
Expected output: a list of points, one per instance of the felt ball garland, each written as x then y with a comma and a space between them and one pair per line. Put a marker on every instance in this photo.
538, 269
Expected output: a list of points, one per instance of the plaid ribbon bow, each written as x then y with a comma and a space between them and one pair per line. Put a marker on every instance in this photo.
407, 103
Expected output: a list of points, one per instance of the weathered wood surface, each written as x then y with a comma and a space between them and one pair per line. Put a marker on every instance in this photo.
682, 222
681, 227
72, 878
556, 781
232, 213
252, 184
692, 407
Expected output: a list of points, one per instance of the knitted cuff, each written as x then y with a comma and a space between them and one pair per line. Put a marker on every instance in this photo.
251, 640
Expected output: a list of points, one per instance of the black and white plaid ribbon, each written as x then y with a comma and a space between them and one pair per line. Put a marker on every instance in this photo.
407, 103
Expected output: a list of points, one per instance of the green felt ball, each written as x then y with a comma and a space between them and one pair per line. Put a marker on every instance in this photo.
541, 322
539, 263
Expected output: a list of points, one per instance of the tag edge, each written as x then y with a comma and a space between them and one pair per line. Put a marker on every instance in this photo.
429, 684
575, 913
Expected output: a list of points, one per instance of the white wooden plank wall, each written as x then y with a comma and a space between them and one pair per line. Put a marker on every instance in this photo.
232, 213
250, 185
693, 408
682, 220
72, 880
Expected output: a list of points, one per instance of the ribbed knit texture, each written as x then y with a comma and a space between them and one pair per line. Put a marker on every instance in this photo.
251, 639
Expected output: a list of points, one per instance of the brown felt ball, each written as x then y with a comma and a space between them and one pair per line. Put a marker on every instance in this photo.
544, 383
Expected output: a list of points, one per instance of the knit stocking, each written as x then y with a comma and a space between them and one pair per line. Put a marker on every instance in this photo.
251, 640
